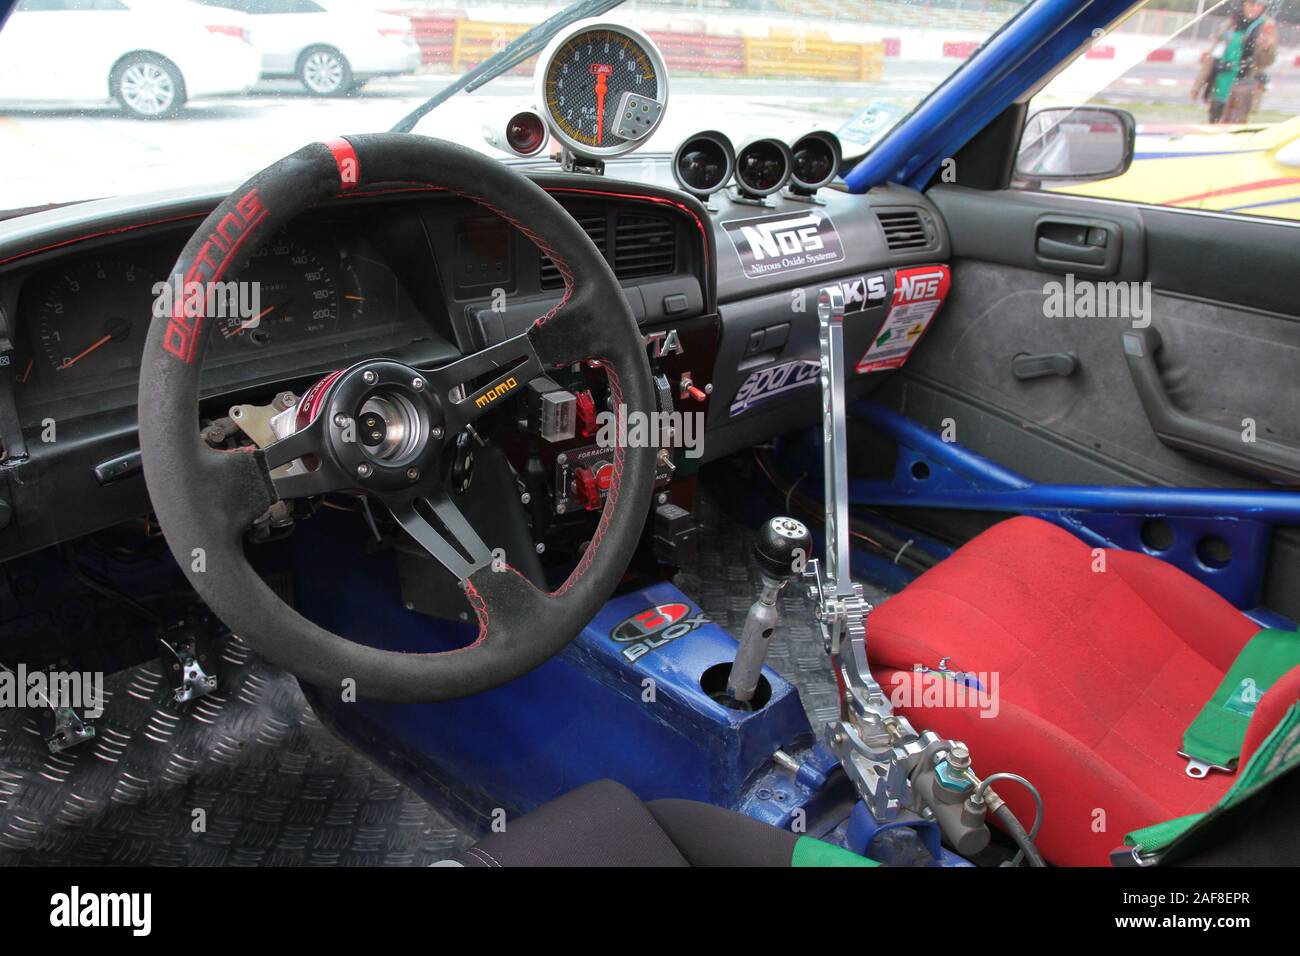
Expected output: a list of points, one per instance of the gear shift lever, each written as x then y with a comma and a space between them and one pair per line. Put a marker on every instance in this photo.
782, 547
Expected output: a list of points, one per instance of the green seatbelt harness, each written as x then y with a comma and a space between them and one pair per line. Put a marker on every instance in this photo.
1216, 735
810, 852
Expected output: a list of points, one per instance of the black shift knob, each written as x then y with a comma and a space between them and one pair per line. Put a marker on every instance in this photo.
782, 547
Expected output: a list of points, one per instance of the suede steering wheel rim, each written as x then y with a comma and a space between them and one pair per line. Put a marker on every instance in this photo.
205, 499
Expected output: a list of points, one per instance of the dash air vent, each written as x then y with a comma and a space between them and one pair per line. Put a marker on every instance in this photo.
643, 246
595, 226
904, 231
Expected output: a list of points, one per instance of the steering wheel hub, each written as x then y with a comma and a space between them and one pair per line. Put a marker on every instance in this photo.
383, 425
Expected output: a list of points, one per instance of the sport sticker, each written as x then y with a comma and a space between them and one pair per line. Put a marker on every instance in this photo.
773, 381
654, 627
918, 293
774, 245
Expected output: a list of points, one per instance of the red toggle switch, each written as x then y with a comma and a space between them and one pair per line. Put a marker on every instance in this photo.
585, 489
688, 389
586, 408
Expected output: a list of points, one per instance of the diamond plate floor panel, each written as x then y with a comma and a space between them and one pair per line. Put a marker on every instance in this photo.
248, 776
249, 768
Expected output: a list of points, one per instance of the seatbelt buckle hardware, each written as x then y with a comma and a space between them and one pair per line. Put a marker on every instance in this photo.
1132, 856
1198, 769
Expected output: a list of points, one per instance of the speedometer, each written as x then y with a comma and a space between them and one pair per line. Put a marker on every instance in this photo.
297, 297
602, 88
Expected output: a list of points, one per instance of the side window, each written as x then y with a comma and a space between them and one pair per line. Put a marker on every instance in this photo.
1214, 90
241, 6
283, 6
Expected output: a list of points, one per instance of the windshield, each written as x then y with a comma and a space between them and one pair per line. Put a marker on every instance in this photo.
114, 97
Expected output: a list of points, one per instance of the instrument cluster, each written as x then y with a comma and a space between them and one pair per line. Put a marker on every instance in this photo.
82, 324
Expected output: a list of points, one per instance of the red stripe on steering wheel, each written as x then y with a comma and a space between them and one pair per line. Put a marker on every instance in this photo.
345, 157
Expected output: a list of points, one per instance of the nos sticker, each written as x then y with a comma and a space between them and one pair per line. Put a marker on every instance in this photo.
654, 627
918, 293
773, 245
774, 380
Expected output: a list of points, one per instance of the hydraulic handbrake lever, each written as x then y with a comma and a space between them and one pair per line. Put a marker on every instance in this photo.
900, 774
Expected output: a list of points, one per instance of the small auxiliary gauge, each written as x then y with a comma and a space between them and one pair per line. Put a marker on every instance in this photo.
602, 88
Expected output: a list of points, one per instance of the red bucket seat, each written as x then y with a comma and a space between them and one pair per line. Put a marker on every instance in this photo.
1096, 669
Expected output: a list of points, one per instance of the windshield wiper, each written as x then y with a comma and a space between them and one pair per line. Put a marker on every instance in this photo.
521, 48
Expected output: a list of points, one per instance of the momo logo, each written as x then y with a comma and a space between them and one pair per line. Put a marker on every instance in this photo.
490, 395
774, 380
771, 245
654, 627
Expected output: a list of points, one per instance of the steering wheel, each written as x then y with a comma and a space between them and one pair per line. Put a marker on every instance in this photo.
205, 498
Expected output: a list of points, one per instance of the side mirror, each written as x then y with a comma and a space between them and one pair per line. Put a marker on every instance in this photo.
1076, 143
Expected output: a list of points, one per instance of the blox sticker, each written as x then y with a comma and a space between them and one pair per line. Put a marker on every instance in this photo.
774, 245
918, 294
654, 627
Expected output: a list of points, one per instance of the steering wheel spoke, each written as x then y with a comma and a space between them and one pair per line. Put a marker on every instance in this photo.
435, 522
306, 448
470, 387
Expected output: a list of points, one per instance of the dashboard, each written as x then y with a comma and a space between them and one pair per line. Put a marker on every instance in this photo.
323, 288
721, 253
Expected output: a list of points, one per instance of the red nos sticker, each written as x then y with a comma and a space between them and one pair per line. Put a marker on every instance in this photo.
918, 294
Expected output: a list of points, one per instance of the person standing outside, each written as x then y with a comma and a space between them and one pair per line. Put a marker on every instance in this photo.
1233, 76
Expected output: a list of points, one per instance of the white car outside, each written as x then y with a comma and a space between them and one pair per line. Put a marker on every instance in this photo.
331, 46
150, 56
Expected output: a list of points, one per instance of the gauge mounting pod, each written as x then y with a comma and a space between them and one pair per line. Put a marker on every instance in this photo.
762, 167
704, 162
816, 161
523, 133
602, 88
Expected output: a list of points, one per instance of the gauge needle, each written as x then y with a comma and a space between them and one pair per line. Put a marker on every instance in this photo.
249, 323
600, 107
69, 362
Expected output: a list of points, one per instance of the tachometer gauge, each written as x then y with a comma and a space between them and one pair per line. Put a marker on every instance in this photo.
93, 318
602, 88
296, 297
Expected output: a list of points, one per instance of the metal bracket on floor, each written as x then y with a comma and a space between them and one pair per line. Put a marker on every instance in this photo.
187, 660
63, 727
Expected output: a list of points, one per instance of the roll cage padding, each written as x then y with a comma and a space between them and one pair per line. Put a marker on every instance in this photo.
205, 499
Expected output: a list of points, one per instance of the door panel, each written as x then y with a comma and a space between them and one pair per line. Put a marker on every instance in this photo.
1224, 299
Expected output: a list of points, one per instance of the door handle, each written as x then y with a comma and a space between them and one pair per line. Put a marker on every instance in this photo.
1059, 251
1090, 245
1264, 458
1025, 366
